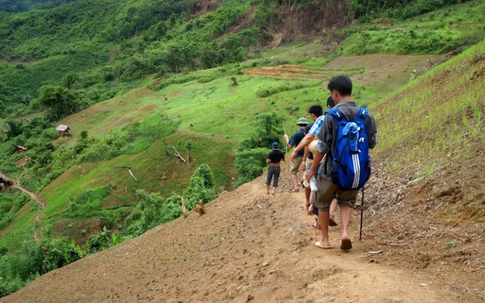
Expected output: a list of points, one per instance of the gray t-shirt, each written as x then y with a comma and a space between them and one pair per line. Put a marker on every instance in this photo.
329, 129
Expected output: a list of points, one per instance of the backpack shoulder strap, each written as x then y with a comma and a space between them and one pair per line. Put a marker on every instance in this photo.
360, 118
337, 114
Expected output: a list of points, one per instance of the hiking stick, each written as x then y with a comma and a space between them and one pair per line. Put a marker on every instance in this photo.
361, 214
286, 152
286, 145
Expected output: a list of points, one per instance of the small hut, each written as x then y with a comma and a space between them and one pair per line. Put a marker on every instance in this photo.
63, 130
19, 150
5, 182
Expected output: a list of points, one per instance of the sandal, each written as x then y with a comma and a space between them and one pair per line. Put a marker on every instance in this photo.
295, 190
310, 210
321, 245
331, 221
316, 224
346, 244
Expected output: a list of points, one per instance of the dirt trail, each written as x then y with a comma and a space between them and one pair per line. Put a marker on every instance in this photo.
248, 247
32, 195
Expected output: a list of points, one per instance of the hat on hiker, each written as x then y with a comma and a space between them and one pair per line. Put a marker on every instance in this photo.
330, 102
302, 121
275, 145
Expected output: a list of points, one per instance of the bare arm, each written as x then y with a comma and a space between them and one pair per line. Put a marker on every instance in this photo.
317, 158
305, 156
304, 143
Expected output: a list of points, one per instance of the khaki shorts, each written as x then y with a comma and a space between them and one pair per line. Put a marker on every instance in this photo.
295, 166
308, 164
327, 191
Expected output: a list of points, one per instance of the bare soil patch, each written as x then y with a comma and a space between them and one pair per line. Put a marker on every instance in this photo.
387, 72
294, 72
254, 247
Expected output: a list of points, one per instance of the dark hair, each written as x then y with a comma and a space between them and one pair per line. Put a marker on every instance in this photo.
316, 109
330, 102
342, 84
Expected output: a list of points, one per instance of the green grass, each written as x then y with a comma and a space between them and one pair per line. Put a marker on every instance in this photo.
21, 227
214, 114
439, 114
433, 33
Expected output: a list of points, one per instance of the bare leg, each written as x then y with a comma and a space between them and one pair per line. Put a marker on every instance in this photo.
333, 207
295, 181
323, 219
267, 189
274, 190
307, 197
345, 213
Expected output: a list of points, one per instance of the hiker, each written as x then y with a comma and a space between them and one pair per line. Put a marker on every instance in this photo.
307, 162
341, 89
316, 114
274, 159
294, 141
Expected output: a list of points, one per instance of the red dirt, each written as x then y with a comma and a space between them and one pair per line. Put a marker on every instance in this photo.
293, 72
253, 247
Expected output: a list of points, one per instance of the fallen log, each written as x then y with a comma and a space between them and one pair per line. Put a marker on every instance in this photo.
129, 170
177, 154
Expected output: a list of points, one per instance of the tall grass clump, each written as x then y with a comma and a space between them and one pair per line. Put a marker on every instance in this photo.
439, 115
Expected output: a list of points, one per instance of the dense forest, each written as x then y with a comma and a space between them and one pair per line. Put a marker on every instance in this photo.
16, 6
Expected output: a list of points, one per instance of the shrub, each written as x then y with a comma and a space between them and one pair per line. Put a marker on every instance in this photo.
249, 164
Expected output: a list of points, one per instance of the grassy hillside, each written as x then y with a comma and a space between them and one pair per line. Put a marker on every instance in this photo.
205, 106
435, 32
98, 48
440, 130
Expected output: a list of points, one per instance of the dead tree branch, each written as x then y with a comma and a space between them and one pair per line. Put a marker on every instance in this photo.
129, 170
177, 154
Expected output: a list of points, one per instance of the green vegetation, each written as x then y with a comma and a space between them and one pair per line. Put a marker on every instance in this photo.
253, 151
399, 9
436, 32
14, 6
96, 49
441, 123
145, 85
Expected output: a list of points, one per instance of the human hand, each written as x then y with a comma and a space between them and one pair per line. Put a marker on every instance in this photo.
310, 174
293, 155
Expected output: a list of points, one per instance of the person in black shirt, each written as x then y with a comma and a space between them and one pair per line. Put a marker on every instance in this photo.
274, 159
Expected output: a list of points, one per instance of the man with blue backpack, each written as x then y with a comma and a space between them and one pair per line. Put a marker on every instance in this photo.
346, 136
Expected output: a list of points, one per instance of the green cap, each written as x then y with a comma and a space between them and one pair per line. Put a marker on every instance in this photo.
302, 121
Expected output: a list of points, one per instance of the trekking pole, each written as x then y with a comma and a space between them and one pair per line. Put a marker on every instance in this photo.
286, 146
286, 152
361, 214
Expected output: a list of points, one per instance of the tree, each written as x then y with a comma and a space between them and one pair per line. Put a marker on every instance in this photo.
252, 152
269, 129
59, 101
14, 128
188, 145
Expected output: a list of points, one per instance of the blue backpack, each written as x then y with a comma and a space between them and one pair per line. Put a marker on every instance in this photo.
351, 163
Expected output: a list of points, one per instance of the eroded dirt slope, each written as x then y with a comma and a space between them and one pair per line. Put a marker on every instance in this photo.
252, 247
